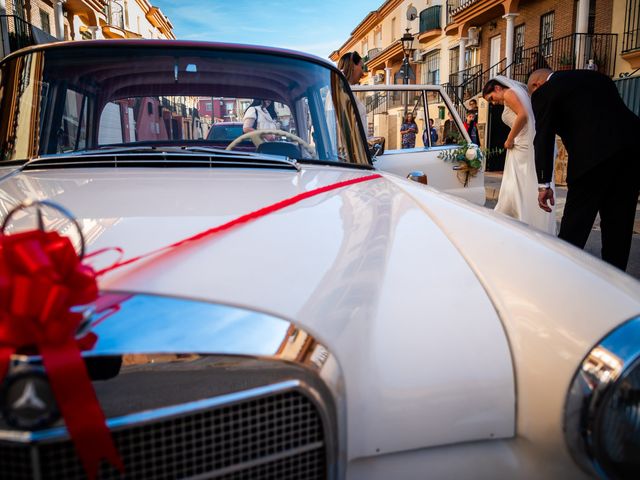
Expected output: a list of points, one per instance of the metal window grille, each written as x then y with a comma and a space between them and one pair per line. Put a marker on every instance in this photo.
518, 46
431, 68
470, 58
632, 26
546, 33
454, 56
18, 9
591, 24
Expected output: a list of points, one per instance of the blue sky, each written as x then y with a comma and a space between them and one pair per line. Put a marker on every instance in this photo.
317, 27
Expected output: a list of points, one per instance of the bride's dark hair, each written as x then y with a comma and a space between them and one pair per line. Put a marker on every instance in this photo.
490, 86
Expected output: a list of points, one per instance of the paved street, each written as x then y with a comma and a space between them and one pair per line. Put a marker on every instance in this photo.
492, 184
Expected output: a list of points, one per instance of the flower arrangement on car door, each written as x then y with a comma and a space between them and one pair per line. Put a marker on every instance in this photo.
469, 159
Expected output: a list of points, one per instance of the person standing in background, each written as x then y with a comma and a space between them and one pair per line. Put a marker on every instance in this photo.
408, 130
351, 65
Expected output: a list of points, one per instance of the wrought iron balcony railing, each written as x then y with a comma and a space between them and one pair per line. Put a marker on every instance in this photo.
461, 77
631, 40
115, 14
373, 53
456, 6
430, 18
576, 51
452, 91
18, 33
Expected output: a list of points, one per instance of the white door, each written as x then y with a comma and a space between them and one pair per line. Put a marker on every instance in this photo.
386, 107
494, 55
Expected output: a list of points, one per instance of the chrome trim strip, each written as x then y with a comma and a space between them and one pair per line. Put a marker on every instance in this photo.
259, 461
159, 414
604, 365
134, 323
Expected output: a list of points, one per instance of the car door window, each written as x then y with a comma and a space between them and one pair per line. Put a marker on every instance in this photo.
397, 116
446, 128
72, 134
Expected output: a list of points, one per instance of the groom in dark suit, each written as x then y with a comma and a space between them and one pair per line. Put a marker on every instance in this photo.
603, 173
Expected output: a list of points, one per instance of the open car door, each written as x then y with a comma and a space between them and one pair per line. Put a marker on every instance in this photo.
438, 129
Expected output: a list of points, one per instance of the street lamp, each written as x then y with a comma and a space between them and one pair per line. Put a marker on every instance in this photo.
407, 42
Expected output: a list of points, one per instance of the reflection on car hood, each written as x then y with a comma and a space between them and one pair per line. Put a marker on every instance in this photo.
361, 268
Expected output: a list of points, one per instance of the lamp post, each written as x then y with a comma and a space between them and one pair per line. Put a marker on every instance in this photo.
407, 42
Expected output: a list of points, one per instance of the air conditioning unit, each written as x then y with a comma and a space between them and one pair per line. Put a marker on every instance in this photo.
418, 56
474, 37
378, 78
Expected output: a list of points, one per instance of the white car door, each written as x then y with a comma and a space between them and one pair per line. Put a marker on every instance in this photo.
387, 107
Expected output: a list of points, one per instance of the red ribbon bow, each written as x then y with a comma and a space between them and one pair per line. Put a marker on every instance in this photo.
41, 278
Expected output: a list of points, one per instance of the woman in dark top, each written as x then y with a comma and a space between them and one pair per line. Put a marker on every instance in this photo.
408, 130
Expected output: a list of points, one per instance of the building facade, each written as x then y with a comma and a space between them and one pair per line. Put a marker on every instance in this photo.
461, 44
29, 22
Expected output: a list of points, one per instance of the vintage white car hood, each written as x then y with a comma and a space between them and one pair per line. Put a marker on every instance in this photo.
362, 268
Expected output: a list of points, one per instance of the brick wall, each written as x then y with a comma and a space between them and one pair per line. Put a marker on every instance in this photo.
34, 19
529, 13
32, 12
604, 16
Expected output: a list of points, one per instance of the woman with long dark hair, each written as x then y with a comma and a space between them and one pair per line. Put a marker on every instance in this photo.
408, 130
260, 115
352, 66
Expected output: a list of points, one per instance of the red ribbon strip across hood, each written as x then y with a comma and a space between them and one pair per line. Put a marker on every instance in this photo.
240, 220
41, 279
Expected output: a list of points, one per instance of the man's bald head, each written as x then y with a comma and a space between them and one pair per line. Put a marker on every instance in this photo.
537, 78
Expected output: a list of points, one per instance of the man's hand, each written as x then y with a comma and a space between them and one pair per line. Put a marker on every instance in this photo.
545, 195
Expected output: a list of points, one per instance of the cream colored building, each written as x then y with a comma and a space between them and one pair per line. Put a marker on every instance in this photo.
460, 42
626, 23
116, 19
29, 22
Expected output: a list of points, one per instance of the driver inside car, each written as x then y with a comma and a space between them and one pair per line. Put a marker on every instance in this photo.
260, 115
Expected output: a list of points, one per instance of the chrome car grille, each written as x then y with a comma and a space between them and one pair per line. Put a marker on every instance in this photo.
278, 436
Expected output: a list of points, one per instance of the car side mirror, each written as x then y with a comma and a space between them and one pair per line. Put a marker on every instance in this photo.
418, 176
376, 146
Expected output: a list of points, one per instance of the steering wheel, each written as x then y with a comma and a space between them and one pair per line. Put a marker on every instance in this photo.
256, 137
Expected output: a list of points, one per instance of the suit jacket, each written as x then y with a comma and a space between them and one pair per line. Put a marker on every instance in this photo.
585, 109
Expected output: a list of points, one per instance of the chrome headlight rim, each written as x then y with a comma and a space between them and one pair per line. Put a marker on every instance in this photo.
601, 371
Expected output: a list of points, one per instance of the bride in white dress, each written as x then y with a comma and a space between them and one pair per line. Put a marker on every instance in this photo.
518, 195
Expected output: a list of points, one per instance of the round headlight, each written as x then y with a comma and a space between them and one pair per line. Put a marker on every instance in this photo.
602, 417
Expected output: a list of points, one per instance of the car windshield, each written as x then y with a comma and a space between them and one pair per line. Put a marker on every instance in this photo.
69, 99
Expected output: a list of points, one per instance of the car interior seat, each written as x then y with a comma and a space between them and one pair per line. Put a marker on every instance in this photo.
285, 149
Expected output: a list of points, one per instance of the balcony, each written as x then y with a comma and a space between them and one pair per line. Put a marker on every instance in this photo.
114, 13
114, 25
373, 53
574, 51
455, 7
472, 12
17, 34
430, 23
